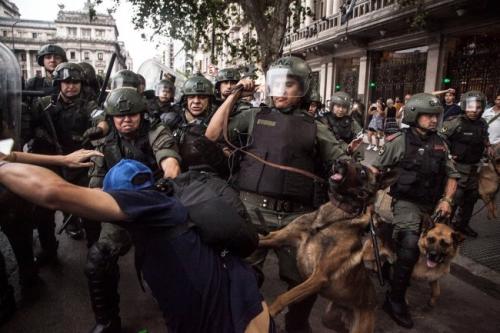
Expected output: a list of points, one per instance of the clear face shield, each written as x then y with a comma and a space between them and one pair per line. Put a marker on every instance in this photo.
10, 96
473, 107
281, 83
165, 91
121, 82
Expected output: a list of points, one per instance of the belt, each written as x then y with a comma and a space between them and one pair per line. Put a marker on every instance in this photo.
278, 205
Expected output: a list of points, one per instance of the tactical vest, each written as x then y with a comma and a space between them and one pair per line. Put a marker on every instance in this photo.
467, 143
423, 170
70, 122
341, 127
116, 148
186, 134
286, 139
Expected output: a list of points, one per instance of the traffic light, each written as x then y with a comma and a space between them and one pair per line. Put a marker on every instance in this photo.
373, 84
337, 87
446, 80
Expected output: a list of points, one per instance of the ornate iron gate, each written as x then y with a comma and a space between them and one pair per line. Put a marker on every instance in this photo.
397, 74
474, 64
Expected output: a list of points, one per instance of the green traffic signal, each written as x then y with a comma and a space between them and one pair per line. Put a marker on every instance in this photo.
373, 84
446, 80
337, 87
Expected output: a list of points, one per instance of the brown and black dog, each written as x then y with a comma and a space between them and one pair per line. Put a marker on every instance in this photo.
438, 246
330, 250
489, 181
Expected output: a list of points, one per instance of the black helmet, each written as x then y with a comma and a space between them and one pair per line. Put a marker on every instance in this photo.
124, 101
67, 71
50, 49
472, 96
88, 72
341, 98
418, 104
124, 78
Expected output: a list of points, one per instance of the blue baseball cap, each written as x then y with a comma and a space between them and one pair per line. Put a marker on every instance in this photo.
128, 175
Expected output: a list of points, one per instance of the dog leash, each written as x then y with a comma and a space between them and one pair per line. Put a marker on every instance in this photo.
376, 251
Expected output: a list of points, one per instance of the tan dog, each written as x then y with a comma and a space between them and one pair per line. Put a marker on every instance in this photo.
489, 181
330, 253
438, 246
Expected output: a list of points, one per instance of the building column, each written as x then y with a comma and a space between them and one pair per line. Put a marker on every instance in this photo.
432, 69
363, 78
335, 7
329, 80
322, 80
28, 64
329, 7
309, 3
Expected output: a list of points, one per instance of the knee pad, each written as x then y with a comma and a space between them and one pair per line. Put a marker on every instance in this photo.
100, 260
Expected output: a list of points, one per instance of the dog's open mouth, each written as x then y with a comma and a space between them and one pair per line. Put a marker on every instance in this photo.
434, 259
337, 177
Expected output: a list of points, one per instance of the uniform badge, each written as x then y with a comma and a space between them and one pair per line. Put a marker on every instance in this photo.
381, 150
444, 129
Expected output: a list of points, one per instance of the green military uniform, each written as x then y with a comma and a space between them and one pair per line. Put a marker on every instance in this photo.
467, 139
273, 197
423, 160
407, 215
151, 145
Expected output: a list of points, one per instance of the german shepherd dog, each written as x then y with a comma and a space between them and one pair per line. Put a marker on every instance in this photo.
330, 249
489, 181
438, 245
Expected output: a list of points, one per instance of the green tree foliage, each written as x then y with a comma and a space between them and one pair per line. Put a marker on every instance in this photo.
206, 24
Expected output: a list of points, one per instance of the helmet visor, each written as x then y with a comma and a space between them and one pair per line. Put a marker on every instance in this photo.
121, 82
473, 104
165, 90
280, 82
65, 74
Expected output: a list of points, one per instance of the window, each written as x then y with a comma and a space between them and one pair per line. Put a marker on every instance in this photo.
35, 35
100, 56
86, 33
86, 55
72, 55
71, 32
5, 32
99, 33
23, 56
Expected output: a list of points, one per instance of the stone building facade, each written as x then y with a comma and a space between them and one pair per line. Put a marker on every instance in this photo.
84, 40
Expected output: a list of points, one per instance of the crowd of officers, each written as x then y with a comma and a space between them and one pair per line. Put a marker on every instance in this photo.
165, 136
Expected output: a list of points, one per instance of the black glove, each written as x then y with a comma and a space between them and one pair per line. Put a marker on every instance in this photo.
93, 133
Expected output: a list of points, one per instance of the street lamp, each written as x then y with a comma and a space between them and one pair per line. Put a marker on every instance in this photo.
17, 21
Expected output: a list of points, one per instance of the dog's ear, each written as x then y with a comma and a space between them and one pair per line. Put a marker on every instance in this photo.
458, 238
385, 178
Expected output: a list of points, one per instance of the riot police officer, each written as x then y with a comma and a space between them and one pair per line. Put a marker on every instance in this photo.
189, 125
131, 137
164, 97
274, 197
342, 125
426, 184
91, 86
315, 104
49, 57
225, 80
60, 121
124, 78
467, 135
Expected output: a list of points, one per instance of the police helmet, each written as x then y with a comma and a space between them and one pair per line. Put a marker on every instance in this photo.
227, 74
164, 85
341, 98
50, 49
124, 101
67, 71
288, 67
472, 96
197, 85
124, 78
418, 104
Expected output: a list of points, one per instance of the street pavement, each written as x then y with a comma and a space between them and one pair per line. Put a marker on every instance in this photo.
470, 299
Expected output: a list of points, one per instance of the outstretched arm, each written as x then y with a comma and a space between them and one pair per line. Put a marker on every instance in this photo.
43, 187
77, 159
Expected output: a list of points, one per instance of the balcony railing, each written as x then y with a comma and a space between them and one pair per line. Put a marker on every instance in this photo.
332, 23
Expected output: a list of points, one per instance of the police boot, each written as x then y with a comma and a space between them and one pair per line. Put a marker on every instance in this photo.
7, 299
297, 317
103, 276
46, 234
395, 302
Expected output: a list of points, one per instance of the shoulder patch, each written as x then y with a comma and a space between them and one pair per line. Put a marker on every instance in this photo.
391, 137
381, 150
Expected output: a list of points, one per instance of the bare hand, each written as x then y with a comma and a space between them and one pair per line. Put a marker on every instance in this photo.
445, 208
170, 167
248, 86
451, 90
354, 145
77, 159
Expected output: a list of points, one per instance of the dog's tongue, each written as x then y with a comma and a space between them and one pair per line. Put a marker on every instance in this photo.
337, 177
431, 264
